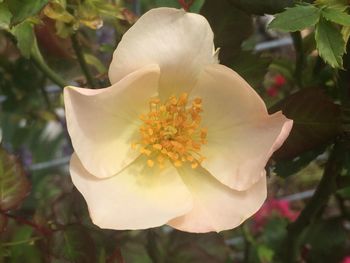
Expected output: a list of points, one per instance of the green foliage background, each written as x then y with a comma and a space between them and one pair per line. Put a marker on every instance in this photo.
48, 44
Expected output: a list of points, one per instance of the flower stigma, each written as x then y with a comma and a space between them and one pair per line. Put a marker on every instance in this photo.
172, 131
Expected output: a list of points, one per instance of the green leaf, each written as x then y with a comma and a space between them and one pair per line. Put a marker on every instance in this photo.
316, 121
22, 9
252, 67
330, 43
285, 168
95, 62
5, 16
259, 7
204, 248
265, 253
231, 27
24, 250
336, 15
342, 4
74, 244
296, 18
25, 37
327, 240
14, 185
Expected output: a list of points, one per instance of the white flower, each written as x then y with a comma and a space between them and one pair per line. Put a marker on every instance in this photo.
177, 139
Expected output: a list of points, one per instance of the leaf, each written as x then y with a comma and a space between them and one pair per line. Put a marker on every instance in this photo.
24, 250
231, 27
74, 244
330, 43
22, 9
342, 4
327, 241
5, 16
316, 121
193, 248
252, 67
259, 7
3, 224
95, 62
25, 37
14, 185
285, 168
296, 18
336, 15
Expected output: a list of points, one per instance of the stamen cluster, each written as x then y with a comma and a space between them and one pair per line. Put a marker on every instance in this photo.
172, 131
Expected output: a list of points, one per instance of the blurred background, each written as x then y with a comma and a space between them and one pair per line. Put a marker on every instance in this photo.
48, 44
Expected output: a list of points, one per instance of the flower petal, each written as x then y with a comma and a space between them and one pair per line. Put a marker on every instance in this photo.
241, 135
103, 123
216, 206
138, 197
180, 42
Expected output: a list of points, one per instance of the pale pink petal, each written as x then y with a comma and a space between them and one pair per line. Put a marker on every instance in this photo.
241, 134
103, 123
138, 197
180, 43
216, 206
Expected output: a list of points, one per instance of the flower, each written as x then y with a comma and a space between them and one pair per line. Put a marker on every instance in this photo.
346, 260
177, 139
271, 206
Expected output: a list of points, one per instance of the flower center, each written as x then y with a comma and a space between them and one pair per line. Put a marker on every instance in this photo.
172, 131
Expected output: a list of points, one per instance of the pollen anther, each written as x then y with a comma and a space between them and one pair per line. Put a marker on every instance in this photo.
171, 130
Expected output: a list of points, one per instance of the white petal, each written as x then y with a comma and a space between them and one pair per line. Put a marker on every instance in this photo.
180, 43
137, 198
216, 206
103, 123
241, 135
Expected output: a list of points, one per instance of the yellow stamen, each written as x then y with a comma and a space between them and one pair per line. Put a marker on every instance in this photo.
172, 131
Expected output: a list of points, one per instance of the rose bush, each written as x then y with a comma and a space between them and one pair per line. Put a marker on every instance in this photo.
177, 139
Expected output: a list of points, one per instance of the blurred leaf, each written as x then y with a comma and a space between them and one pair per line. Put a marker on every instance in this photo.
345, 31
327, 241
330, 43
259, 7
252, 67
193, 248
22, 9
24, 250
95, 62
3, 224
56, 11
336, 15
265, 253
285, 168
5, 16
231, 27
316, 121
343, 4
14, 185
69, 208
25, 37
296, 18
74, 244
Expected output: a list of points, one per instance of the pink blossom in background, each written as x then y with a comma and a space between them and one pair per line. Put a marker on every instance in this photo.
346, 260
280, 80
271, 207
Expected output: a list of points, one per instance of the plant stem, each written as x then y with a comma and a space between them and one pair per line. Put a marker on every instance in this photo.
42, 230
326, 187
152, 246
82, 62
300, 60
40, 63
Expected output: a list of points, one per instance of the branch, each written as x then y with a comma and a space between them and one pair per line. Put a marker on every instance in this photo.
39, 61
82, 62
300, 60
